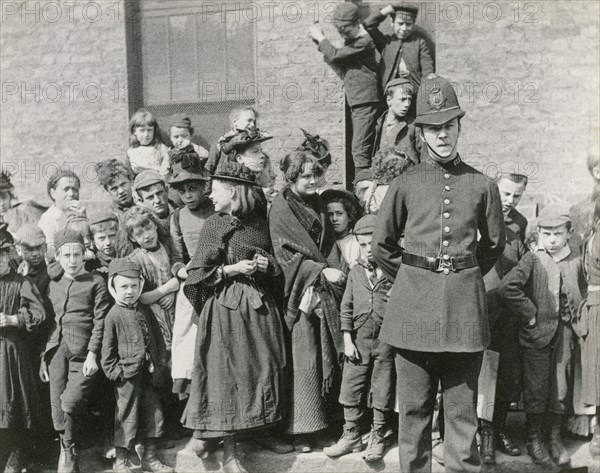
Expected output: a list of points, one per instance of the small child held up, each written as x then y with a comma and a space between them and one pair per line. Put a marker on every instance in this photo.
21, 312
388, 164
343, 211
146, 149
143, 239
369, 366
70, 362
134, 358
181, 132
356, 64
545, 290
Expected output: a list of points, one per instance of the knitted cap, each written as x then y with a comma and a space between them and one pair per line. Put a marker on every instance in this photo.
124, 267
68, 236
366, 225
30, 234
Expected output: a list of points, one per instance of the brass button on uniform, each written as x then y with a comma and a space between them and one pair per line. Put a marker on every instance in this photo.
446, 176
447, 229
447, 188
447, 201
446, 214
445, 243
446, 257
446, 271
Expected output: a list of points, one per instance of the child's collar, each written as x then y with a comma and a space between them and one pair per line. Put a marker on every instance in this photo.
561, 254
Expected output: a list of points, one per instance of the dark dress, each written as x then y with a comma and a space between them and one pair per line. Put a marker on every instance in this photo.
238, 373
304, 245
19, 401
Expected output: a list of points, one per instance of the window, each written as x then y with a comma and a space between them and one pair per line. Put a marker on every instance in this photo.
191, 57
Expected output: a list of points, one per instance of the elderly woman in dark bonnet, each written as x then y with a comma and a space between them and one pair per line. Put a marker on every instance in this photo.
304, 244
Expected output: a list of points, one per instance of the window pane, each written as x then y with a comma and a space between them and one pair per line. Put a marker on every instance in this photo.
155, 60
182, 49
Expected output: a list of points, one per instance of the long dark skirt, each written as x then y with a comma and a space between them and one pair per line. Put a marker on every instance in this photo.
238, 374
19, 400
590, 349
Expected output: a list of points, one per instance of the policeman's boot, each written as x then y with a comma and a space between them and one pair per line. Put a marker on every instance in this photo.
487, 449
376, 447
231, 459
558, 452
150, 461
535, 443
120, 465
350, 441
595, 443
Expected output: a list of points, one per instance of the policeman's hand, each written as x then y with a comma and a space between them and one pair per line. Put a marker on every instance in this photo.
433, 75
333, 275
8, 320
90, 367
43, 372
388, 10
351, 352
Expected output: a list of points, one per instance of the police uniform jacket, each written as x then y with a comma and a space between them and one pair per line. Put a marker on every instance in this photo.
356, 64
440, 208
413, 50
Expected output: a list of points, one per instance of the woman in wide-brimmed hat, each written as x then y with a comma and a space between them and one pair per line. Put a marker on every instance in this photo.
237, 378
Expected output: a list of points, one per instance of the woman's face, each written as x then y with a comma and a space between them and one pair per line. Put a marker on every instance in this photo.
253, 158
65, 192
221, 196
339, 218
306, 183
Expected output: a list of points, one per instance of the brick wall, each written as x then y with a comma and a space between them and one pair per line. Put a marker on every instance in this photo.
529, 85
63, 73
528, 73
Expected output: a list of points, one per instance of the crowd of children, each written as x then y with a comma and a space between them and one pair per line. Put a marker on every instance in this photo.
204, 298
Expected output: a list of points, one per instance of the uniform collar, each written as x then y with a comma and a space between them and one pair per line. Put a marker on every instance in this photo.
446, 165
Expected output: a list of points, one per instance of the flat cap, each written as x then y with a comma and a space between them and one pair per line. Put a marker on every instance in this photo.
30, 234
406, 7
180, 120
553, 216
124, 267
68, 236
103, 216
365, 225
147, 178
397, 82
346, 13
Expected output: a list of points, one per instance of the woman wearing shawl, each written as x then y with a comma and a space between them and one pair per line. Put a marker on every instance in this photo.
237, 376
304, 244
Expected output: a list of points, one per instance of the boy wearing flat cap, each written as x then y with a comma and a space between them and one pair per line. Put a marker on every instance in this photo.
356, 64
369, 365
403, 54
545, 290
437, 318
134, 358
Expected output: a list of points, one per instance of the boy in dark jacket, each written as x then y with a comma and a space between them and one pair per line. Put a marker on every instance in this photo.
356, 64
545, 290
80, 302
134, 358
369, 366
403, 54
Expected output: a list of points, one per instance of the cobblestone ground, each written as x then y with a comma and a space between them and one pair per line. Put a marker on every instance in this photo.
257, 460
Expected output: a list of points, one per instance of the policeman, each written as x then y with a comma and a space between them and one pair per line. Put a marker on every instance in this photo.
437, 316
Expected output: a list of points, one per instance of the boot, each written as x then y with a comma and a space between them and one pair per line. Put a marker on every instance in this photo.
200, 448
68, 461
14, 464
487, 450
535, 444
274, 444
507, 445
558, 452
350, 441
149, 460
231, 461
376, 447
120, 464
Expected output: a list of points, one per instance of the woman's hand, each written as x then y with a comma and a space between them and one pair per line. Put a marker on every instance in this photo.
246, 267
333, 275
172, 285
262, 263
166, 302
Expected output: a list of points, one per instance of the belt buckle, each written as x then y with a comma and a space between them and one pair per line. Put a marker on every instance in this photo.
441, 264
